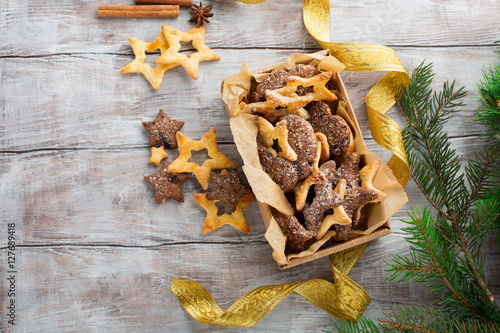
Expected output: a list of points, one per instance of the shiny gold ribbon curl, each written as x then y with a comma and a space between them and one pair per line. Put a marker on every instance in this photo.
367, 58
342, 299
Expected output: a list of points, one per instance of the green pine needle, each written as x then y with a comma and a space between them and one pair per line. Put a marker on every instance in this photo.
445, 251
446, 242
489, 110
414, 319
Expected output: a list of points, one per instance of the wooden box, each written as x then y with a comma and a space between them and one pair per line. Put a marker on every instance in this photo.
235, 91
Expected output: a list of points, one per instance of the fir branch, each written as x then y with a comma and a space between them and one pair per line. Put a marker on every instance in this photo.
425, 319
364, 325
489, 110
471, 263
433, 164
445, 249
415, 319
478, 172
435, 168
426, 246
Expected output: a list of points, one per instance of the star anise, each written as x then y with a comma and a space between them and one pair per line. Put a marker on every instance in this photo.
200, 14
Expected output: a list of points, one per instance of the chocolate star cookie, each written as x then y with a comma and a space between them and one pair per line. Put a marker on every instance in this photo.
162, 130
296, 234
334, 127
228, 188
281, 170
167, 185
349, 170
326, 198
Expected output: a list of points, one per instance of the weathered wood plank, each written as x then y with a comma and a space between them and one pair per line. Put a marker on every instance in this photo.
114, 289
83, 101
95, 252
99, 197
48, 27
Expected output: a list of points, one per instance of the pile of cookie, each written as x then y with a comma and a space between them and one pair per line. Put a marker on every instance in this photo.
227, 186
308, 151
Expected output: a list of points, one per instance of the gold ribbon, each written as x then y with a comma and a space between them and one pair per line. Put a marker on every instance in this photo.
367, 58
342, 299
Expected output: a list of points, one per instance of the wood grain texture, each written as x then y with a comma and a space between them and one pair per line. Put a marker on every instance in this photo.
64, 101
100, 197
78, 288
48, 27
95, 253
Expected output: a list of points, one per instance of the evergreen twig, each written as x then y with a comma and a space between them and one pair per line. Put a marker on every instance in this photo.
445, 245
435, 169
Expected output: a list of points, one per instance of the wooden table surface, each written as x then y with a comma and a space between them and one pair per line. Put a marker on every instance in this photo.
94, 252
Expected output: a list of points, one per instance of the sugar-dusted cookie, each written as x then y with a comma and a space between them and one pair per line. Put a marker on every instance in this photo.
228, 188
289, 98
162, 130
303, 141
277, 79
167, 185
335, 128
297, 235
326, 198
348, 170
279, 169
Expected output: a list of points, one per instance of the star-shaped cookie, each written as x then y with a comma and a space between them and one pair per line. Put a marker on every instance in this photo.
162, 130
228, 188
167, 185
339, 218
356, 198
349, 170
316, 177
157, 154
172, 56
297, 236
202, 173
212, 221
153, 75
326, 198
287, 96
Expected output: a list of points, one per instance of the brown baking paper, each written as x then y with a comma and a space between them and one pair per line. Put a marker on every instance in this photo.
235, 91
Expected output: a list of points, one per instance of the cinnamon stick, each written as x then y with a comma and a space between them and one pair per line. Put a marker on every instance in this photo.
168, 2
138, 11
138, 7
144, 13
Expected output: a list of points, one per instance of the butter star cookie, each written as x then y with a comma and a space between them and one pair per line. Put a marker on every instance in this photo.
157, 154
213, 221
171, 56
215, 161
153, 75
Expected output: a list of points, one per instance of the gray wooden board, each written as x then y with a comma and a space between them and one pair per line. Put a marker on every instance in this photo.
95, 253
47, 27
